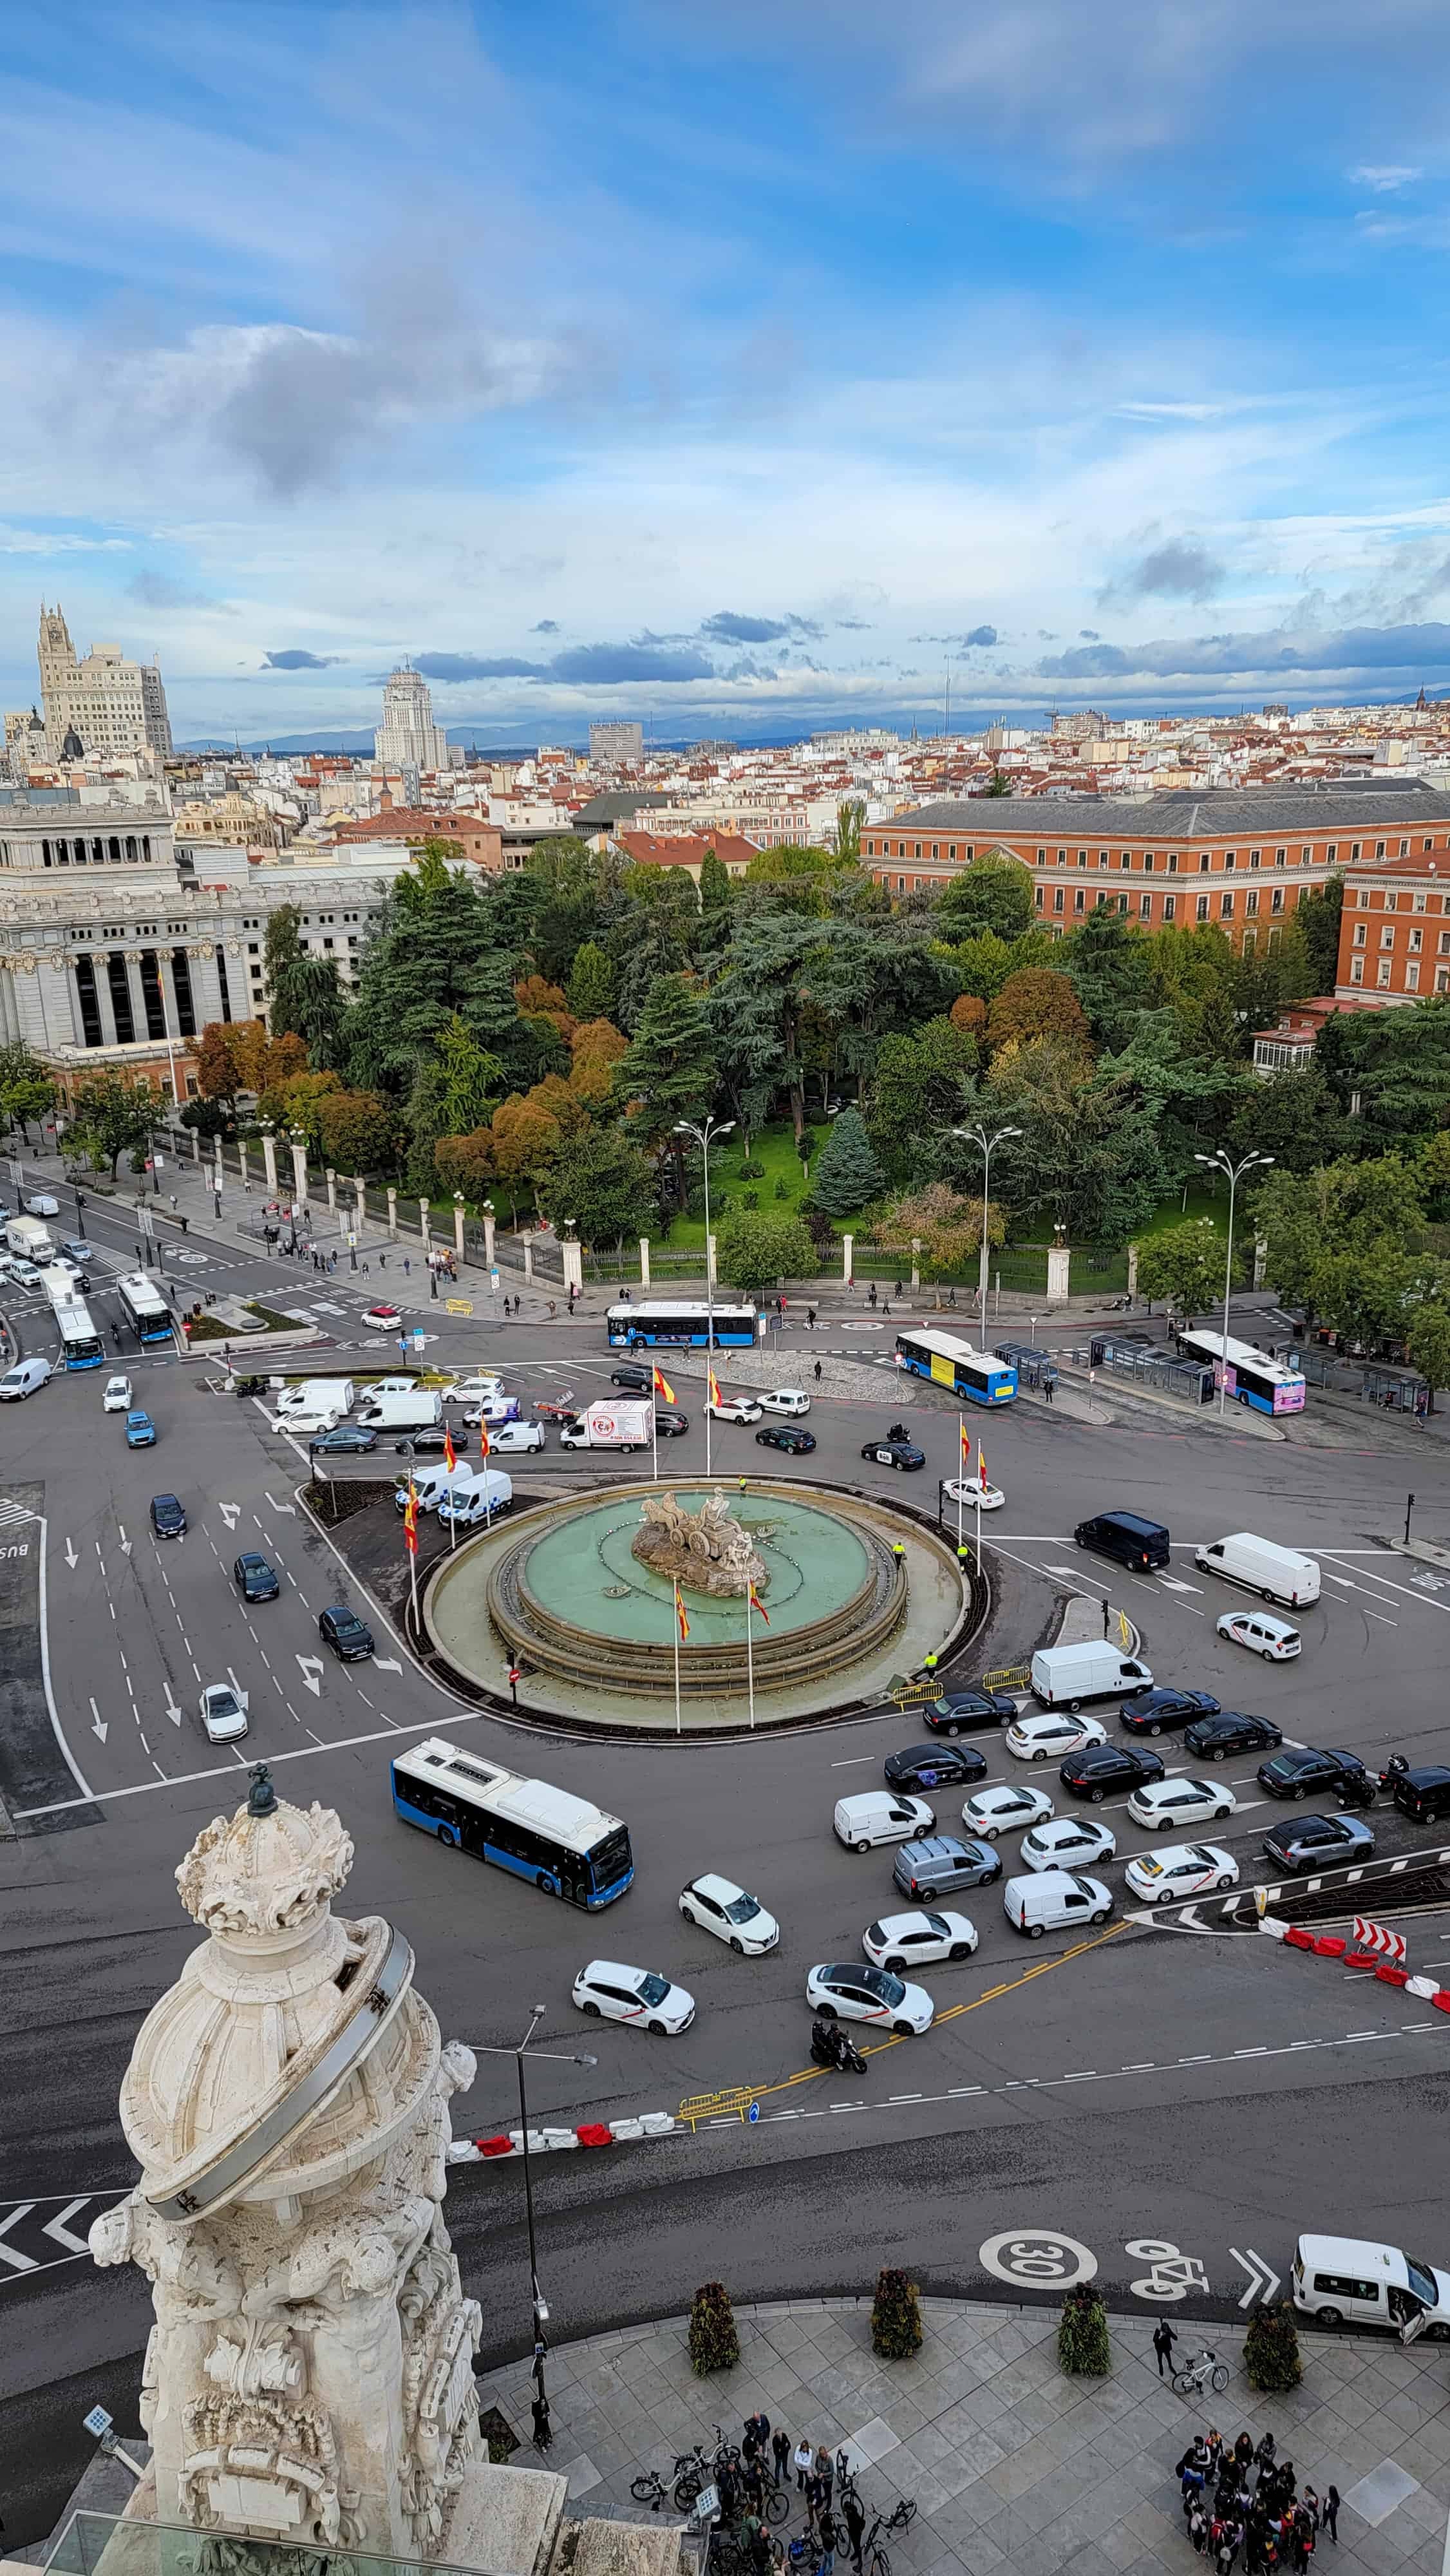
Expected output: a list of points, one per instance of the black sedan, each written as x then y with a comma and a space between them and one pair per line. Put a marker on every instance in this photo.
350, 1637
894, 1453
428, 1443
1151, 1711
347, 1441
787, 1436
670, 1425
168, 1518
1213, 1739
1307, 1771
255, 1578
1098, 1769
1423, 1793
639, 1381
956, 1710
1318, 1842
935, 1766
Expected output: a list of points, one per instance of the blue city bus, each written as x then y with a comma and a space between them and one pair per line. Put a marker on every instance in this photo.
681, 1323
1246, 1373
977, 1376
144, 1308
563, 1844
81, 1346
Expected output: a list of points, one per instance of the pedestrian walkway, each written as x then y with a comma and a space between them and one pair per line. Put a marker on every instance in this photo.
1012, 2466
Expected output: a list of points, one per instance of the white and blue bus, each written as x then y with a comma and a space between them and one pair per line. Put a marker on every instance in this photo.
566, 1846
680, 1323
979, 1377
81, 1346
144, 1307
1246, 1372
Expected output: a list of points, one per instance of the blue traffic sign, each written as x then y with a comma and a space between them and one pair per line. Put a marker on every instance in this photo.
753, 2114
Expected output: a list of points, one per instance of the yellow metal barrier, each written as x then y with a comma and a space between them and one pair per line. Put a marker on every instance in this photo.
1011, 1677
732, 2104
914, 1694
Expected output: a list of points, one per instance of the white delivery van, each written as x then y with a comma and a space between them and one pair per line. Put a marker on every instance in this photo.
431, 1483
479, 1501
1275, 1573
1050, 1898
29, 1240
1065, 1676
880, 1816
316, 1394
1346, 2281
625, 1425
26, 1378
414, 1411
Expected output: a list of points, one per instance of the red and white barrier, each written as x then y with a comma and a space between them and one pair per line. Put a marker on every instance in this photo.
552, 2141
1389, 1971
1379, 1939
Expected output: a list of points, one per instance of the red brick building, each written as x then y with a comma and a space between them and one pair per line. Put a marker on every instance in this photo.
480, 842
1394, 937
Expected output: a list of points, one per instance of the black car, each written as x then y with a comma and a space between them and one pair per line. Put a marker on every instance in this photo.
670, 1425
429, 1443
1317, 1842
1213, 1739
255, 1579
167, 1516
935, 1766
787, 1436
347, 1441
1305, 1771
953, 1711
1127, 1537
1424, 1792
1098, 1769
1150, 1711
640, 1381
349, 1636
894, 1453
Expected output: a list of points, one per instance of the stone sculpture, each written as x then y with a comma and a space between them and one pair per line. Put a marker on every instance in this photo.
705, 1551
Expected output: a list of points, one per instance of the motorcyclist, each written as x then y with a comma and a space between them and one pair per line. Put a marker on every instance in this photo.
898, 1431
823, 2038
1395, 1768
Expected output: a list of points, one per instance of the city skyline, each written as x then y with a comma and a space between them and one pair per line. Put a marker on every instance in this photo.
1085, 363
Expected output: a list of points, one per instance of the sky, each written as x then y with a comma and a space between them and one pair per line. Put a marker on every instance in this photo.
746, 368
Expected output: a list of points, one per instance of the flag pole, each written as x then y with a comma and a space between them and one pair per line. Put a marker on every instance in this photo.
749, 1657
654, 1428
961, 1474
677, 1654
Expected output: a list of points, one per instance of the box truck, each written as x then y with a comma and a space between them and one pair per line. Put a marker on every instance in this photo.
29, 1240
624, 1425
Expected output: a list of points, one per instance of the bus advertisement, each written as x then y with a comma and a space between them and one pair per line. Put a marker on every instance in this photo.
979, 1377
681, 1323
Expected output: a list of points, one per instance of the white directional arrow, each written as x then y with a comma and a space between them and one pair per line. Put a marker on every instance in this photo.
289, 1510
125, 1542
229, 1512
64, 2235
8, 2253
311, 1669
98, 1723
386, 1664
71, 1557
172, 1711
1262, 2278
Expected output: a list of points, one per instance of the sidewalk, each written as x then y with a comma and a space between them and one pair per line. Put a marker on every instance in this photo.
1012, 2466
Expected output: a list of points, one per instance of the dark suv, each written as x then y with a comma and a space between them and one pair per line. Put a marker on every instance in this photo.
638, 1381
1305, 1771
1423, 1793
350, 1637
1126, 1537
255, 1578
1096, 1768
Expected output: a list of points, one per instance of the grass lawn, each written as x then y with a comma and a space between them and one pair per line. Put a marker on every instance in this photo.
1212, 1204
774, 1147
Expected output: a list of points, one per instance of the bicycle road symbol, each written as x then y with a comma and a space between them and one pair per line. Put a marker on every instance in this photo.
1042, 2258
1171, 2274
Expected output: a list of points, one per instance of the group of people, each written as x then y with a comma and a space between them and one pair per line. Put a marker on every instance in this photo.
1243, 2500
768, 2454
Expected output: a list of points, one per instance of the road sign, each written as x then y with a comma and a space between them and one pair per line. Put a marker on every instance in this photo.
1378, 1938
419, 1338
753, 2114
459, 1305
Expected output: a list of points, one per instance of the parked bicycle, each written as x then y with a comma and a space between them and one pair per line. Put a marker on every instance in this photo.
649, 2489
874, 2558
1204, 2371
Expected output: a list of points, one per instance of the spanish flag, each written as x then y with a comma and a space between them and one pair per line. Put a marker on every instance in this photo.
410, 1520
757, 1604
663, 1387
714, 1384
450, 1454
483, 1440
680, 1615
966, 1447
981, 1468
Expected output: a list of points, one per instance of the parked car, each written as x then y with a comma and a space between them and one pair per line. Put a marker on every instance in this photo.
255, 1577
168, 1517
934, 1766
1318, 1842
1423, 1792
1231, 1731
915, 1940
640, 1996
1149, 1712
788, 1436
1178, 1870
731, 1913
1099, 1769
855, 1993
140, 1430
350, 1637
894, 1453
1306, 1770
1263, 1635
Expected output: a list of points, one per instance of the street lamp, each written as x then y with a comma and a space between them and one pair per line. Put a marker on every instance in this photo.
985, 1145
538, 2305
1221, 1162
705, 1136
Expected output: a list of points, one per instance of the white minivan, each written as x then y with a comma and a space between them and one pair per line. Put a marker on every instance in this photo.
1048, 1899
26, 1378
880, 1816
1346, 2281
1065, 1676
1275, 1573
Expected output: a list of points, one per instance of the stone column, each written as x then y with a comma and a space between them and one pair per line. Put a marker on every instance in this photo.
218, 1168
1133, 1270
848, 1250
1058, 1264
196, 1146
458, 1234
1261, 1259
573, 1267
528, 1243
242, 1162
269, 1164
710, 1259
299, 1175
392, 1214
332, 1193
916, 1261
644, 1261
360, 1212
488, 1236
423, 1235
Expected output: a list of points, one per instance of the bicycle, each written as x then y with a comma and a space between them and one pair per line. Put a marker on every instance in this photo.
874, 2558
649, 2489
693, 2471
1205, 2371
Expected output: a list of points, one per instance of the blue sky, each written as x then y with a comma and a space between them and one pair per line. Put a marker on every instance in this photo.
740, 366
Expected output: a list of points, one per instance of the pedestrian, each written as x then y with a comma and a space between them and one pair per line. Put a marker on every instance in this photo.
364, 1270
407, 1267
1331, 2513
744, 1485
1047, 1387
382, 1261
780, 2453
1164, 2340
929, 1664
757, 2432
810, 1319
825, 2469
804, 2458
1197, 2524
818, 1372
964, 1559
1244, 2454
855, 2526
828, 2534
173, 1202
1214, 2441
543, 2430
886, 1308
752, 2482
951, 1296
1107, 1616
896, 1291
898, 1553
871, 1296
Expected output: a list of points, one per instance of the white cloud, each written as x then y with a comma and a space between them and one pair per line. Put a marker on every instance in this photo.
1386, 178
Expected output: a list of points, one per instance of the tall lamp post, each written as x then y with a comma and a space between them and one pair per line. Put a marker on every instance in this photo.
705, 1136
1222, 1162
539, 2307
985, 1145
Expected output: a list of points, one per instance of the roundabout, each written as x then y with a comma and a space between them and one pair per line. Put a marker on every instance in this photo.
846, 1596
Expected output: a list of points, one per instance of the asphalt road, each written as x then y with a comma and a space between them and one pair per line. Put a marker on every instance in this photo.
1206, 2094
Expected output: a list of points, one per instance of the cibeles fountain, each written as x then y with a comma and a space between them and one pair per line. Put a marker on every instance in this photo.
309, 2376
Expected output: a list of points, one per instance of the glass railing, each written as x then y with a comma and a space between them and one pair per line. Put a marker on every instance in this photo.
105, 2544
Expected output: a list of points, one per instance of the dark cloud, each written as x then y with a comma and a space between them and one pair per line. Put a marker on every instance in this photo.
1089, 634
294, 659
474, 666
981, 635
1409, 648
546, 626
158, 590
727, 626
602, 665
1181, 568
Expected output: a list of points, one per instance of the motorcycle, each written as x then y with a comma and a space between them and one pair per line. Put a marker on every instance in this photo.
1357, 1790
898, 1431
1395, 1769
835, 2049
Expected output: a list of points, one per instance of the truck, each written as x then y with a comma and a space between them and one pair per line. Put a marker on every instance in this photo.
332, 1395
625, 1425
411, 1412
29, 1240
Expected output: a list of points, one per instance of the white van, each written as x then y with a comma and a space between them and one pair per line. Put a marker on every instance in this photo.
1064, 1676
880, 1816
1275, 1573
26, 1378
431, 1483
317, 1394
415, 1411
1049, 1898
477, 1502
1345, 2281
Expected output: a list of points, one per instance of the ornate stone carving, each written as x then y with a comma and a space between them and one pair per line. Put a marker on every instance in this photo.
224, 1890
707, 1551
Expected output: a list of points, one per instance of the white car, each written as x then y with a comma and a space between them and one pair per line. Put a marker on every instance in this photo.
117, 1396
1180, 1802
966, 1490
731, 1913
911, 1940
849, 1992
1068, 1842
223, 1713
991, 1812
638, 1995
472, 1390
1261, 1634
786, 1399
1180, 1869
492, 1411
1036, 1739
506, 1439
736, 1408
381, 1314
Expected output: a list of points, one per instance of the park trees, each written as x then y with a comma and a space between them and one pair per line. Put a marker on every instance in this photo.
1111, 965
757, 1247
593, 986
992, 893
1338, 1241
26, 1089
916, 1086
359, 1131
111, 1115
1036, 1002
668, 1071
847, 1176
1184, 1265
603, 1182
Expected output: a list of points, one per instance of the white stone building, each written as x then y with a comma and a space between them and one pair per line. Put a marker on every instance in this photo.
105, 702
407, 737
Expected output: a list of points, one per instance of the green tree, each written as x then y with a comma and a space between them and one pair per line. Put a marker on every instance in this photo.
1319, 916
992, 893
916, 1087
1112, 966
603, 1182
1271, 2349
1089, 1151
713, 2341
26, 1089
1185, 1267
669, 1070
848, 1176
359, 1132
896, 2316
1083, 2347
1036, 1002
1337, 1241
717, 889
471, 1080
110, 1116
983, 964
562, 883
757, 1247
999, 784
1397, 1065
593, 985
1293, 1116
1428, 1343
849, 818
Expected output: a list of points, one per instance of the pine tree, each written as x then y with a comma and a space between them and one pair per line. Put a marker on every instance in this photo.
714, 2343
848, 1176
1271, 2349
1083, 2348
670, 1064
593, 984
896, 2317
715, 889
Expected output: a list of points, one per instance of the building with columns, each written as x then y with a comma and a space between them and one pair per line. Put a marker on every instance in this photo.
103, 702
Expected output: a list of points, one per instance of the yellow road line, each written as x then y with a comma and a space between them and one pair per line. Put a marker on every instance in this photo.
953, 2012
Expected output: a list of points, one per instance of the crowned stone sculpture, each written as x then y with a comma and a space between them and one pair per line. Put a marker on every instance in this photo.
707, 1551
